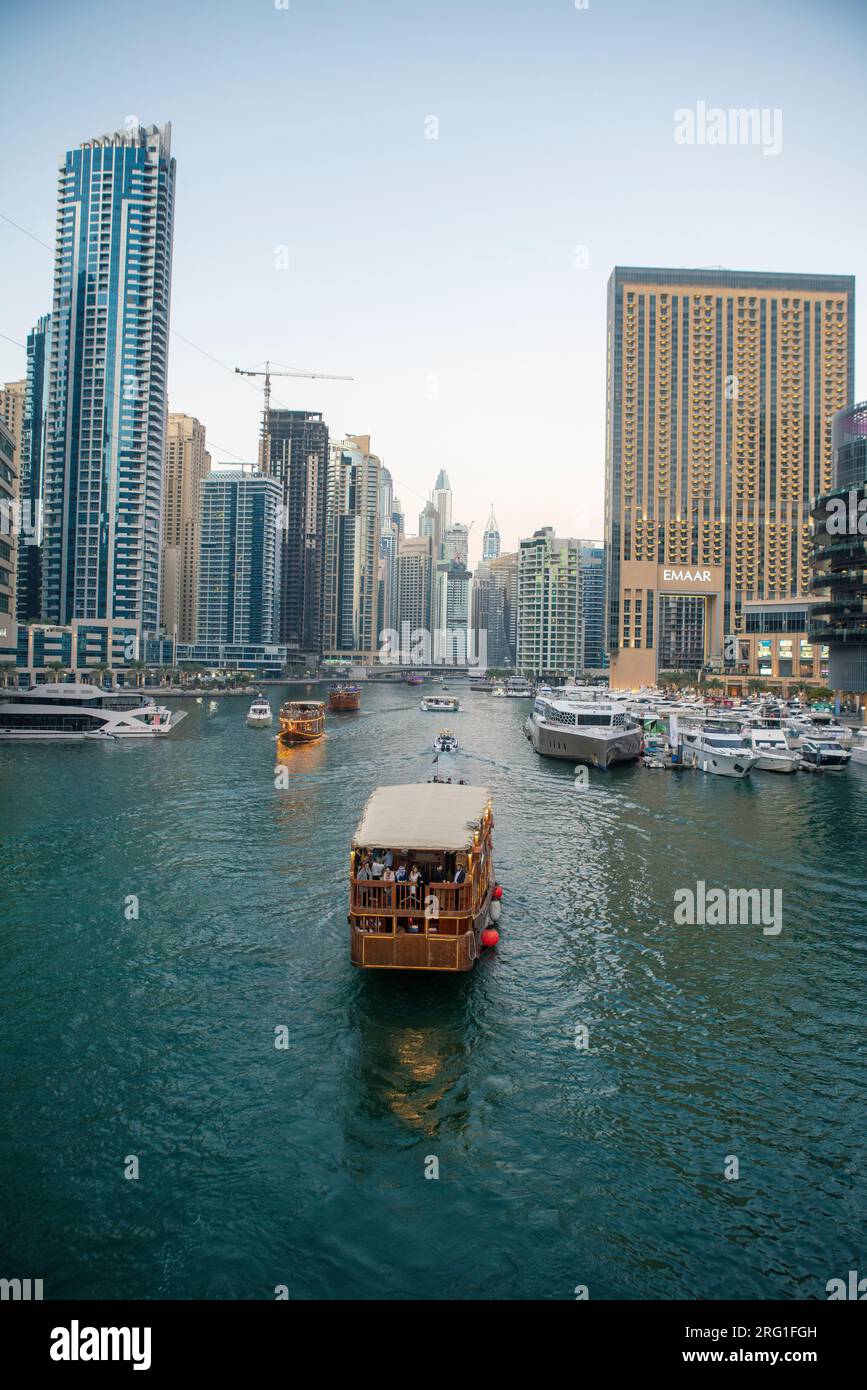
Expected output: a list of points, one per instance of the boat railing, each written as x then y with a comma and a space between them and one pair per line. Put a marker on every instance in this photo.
440, 908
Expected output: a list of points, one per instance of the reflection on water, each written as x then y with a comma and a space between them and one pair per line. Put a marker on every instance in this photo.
306, 1166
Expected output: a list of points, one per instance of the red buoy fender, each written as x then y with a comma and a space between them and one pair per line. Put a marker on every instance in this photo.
490, 936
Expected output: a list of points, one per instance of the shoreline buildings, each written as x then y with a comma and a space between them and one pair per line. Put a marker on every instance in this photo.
721, 389
549, 619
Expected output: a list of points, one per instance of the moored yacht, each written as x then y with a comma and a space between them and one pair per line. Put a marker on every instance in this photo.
771, 747
583, 728
75, 711
518, 688
720, 749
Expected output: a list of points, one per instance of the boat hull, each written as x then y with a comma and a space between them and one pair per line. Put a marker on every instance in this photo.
767, 763
719, 764
405, 951
344, 704
583, 746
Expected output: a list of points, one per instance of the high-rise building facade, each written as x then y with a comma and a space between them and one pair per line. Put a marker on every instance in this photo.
297, 447
33, 472
504, 573
414, 585
442, 500
8, 547
490, 647
12, 411
721, 387
239, 558
187, 464
491, 538
592, 555
352, 555
106, 415
838, 619
549, 605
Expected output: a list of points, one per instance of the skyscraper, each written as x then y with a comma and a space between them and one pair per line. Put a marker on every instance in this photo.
721, 389
414, 584
8, 546
187, 463
592, 559
106, 417
549, 605
352, 565
239, 558
504, 573
33, 471
839, 580
297, 442
442, 500
491, 538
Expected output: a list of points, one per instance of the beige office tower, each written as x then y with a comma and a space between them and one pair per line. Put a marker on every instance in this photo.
721, 386
12, 401
187, 463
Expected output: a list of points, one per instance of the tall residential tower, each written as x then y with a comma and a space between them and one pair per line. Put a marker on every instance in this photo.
106, 414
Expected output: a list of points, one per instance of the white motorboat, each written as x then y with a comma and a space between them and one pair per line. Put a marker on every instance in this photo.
518, 688
859, 747
586, 726
445, 742
824, 755
75, 711
440, 704
772, 750
259, 715
719, 749
499, 692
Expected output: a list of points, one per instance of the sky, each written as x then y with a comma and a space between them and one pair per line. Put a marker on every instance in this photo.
430, 198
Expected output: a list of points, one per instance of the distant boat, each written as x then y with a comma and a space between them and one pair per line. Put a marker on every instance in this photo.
343, 697
259, 715
442, 704
414, 680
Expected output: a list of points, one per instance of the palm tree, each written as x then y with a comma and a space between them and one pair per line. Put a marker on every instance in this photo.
101, 671
7, 667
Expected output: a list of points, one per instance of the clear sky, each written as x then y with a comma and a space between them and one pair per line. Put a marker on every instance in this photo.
443, 274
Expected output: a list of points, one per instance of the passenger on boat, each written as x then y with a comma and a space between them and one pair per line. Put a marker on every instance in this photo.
460, 874
388, 874
364, 872
401, 875
376, 867
388, 861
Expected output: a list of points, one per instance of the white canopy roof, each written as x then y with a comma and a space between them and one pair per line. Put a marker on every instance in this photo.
432, 815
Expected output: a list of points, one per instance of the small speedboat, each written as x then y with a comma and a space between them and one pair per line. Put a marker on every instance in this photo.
259, 715
445, 742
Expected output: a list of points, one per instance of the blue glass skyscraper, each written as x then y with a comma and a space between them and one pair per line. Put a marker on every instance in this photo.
106, 414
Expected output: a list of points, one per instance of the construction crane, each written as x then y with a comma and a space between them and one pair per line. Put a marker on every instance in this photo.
265, 458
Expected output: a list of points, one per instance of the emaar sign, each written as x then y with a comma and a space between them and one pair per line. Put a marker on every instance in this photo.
686, 576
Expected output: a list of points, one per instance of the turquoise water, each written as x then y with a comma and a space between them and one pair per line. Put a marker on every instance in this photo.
306, 1166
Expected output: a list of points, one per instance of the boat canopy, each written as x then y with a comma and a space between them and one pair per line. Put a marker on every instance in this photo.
432, 815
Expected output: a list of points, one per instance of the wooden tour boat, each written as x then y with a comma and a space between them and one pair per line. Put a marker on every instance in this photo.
301, 721
442, 829
343, 697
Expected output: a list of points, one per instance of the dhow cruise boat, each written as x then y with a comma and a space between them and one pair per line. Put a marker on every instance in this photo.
584, 726
69, 711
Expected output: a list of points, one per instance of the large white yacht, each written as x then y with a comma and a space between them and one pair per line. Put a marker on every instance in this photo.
259, 715
718, 748
769, 743
583, 725
71, 711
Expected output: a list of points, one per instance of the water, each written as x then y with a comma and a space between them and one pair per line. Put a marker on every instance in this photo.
305, 1167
